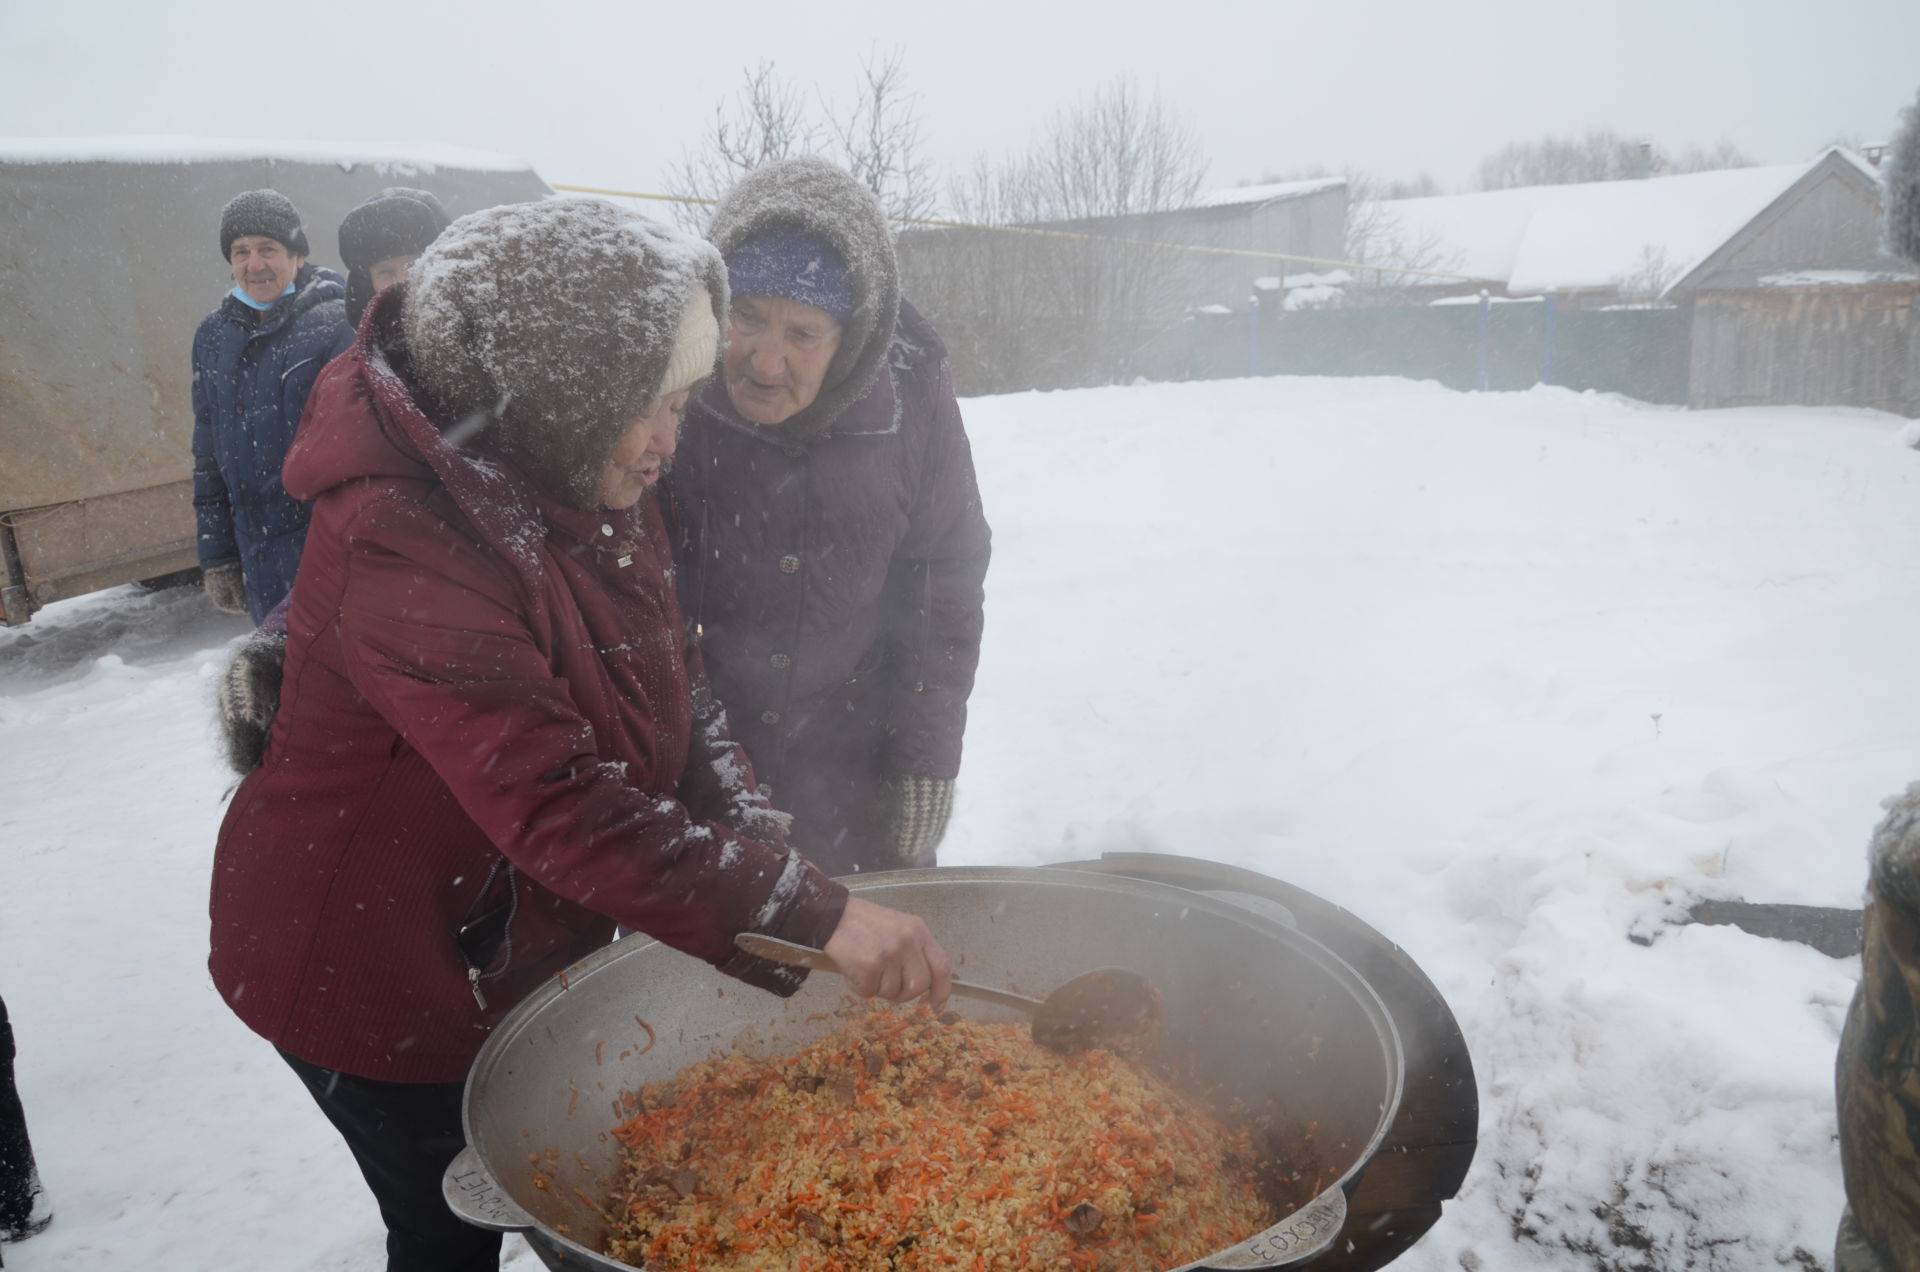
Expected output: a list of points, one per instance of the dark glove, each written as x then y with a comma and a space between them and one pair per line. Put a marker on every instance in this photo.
920, 811
250, 698
226, 588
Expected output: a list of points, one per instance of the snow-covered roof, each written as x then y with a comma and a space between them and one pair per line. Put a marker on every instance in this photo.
1492, 300
1234, 196
421, 156
1566, 237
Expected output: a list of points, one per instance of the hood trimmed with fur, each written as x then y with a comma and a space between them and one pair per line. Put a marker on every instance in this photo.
819, 196
556, 319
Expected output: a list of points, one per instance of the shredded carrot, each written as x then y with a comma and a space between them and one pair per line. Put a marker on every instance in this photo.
905, 1142
650, 1036
598, 1047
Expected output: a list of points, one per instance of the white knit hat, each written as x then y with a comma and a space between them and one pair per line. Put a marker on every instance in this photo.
696, 342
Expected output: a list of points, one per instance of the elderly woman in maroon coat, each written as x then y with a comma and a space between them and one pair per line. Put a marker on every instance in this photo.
494, 741
831, 543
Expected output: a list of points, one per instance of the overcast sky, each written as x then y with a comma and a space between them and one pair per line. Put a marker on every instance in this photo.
609, 93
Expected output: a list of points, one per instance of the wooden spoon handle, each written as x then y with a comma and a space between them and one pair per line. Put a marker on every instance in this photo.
797, 955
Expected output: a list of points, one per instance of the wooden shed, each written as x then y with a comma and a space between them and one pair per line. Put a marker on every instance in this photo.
1801, 306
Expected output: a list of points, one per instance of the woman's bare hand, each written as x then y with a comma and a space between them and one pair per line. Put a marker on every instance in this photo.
889, 954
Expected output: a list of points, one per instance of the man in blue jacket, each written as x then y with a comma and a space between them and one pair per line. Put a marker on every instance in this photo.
254, 359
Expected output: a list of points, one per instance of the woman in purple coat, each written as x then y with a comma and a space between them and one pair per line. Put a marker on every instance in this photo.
830, 540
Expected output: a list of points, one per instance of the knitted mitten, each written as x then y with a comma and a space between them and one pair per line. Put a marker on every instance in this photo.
921, 808
250, 698
226, 588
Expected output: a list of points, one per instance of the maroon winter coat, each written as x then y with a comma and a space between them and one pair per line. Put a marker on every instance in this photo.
477, 677
838, 581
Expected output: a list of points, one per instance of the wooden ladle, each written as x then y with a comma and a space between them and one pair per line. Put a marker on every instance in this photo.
1094, 1009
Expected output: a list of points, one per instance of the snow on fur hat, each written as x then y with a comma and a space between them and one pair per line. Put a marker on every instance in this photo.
265, 212
820, 198
396, 222
1903, 187
562, 319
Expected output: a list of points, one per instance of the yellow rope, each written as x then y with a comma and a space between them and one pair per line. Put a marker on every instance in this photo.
632, 194
1088, 238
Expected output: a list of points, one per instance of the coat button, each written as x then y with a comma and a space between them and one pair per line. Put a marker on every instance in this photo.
790, 564
781, 662
606, 530
769, 717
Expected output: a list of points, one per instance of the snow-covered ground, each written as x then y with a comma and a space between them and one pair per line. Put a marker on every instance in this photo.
1515, 677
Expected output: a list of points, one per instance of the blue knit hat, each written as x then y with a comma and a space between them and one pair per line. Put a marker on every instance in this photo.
793, 264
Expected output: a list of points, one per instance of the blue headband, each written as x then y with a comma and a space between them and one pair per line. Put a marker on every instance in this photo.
793, 264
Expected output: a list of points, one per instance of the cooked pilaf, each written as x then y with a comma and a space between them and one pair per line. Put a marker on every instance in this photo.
901, 1141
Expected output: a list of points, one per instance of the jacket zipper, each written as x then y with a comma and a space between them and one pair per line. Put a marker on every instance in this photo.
505, 953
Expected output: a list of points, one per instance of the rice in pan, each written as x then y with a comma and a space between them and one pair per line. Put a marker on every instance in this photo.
901, 1141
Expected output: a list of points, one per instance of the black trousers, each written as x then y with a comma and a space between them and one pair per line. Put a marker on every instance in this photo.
404, 1135
19, 1181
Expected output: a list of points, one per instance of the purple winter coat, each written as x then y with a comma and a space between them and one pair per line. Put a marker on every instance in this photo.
835, 580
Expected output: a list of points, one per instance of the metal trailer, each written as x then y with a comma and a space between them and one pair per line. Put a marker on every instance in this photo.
109, 258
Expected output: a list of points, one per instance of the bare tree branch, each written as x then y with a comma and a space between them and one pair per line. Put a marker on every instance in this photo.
766, 121
879, 141
1053, 310
1377, 236
1600, 155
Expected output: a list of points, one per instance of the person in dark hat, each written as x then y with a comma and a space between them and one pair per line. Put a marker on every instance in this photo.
254, 360
23, 1202
832, 546
496, 741
380, 239
1876, 1077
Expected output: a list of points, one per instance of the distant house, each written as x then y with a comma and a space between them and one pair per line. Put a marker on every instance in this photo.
1055, 303
1298, 219
1241, 234
1591, 244
1770, 283
1799, 304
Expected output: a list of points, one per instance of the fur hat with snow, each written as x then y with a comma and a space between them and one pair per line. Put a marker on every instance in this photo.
562, 320
1903, 187
264, 212
399, 221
